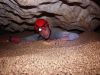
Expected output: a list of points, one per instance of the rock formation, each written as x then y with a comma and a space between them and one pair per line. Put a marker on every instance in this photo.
56, 57
19, 15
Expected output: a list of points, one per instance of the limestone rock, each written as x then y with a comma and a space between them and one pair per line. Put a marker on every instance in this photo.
68, 14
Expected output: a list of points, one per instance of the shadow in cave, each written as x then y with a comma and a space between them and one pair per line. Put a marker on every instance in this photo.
96, 2
44, 13
12, 50
76, 31
97, 29
74, 4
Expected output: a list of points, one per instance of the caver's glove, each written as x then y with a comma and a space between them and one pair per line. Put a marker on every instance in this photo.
15, 39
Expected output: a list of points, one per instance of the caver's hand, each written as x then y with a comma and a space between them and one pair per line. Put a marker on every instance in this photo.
15, 39
42, 27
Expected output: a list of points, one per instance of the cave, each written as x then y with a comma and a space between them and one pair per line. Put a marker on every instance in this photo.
49, 37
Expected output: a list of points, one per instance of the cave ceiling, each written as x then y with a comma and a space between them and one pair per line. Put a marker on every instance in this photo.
20, 15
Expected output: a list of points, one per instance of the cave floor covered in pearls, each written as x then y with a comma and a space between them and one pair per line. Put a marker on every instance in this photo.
56, 57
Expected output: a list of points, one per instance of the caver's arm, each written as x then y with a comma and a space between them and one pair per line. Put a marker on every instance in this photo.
58, 33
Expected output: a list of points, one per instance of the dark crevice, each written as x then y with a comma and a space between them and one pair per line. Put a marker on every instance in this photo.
27, 7
59, 27
44, 13
71, 4
2, 30
97, 29
71, 30
45, 3
96, 2
4, 16
76, 31
96, 18
16, 2
74, 4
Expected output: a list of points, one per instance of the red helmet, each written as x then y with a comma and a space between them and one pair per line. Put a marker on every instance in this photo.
40, 24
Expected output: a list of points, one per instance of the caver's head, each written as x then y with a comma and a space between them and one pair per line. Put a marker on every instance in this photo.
42, 26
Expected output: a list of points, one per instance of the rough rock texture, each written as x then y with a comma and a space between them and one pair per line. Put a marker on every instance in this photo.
80, 57
19, 15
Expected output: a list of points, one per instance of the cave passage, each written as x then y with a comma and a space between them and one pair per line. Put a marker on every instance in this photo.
29, 36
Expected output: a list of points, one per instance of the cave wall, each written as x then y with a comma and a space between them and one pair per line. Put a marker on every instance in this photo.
19, 15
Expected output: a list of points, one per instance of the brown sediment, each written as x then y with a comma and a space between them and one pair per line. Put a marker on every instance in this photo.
54, 57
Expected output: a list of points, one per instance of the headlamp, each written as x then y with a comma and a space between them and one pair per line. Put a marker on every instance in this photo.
40, 29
